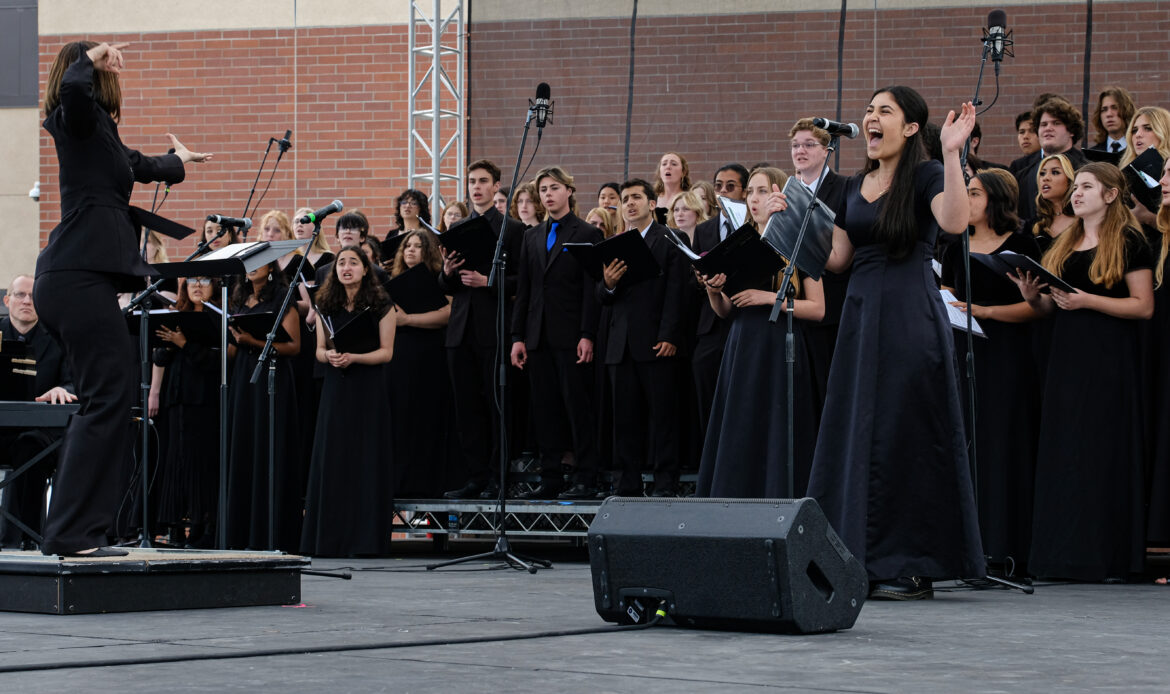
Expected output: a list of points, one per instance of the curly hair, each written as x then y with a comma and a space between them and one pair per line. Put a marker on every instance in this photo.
1125, 109
332, 299
424, 206
528, 189
1064, 112
432, 257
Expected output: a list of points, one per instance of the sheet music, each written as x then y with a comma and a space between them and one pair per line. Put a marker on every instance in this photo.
682, 246
957, 317
235, 250
735, 211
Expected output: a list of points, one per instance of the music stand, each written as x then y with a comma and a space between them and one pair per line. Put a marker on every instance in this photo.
233, 259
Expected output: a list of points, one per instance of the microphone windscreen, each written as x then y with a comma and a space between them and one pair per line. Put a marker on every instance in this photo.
996, 18
543, 91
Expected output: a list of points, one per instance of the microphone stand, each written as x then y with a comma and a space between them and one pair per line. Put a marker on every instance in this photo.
970, 361
284, 147
268, 354
503, 549
139, 301
786, 301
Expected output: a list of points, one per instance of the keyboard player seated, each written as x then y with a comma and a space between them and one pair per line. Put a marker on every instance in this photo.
33, 369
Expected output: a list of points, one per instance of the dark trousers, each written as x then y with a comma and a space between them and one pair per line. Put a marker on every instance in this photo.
80, 309
645, 423
563, 412
24, 497
473, 382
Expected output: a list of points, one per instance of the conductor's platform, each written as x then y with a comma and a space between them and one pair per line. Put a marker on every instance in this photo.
148, 579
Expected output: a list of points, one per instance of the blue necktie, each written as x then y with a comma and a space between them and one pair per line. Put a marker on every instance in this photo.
552, 237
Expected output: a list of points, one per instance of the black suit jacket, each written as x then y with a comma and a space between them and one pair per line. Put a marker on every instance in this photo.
651, 311
555, 301
52, 370
475, 309
1024, 162
1027, 181
97, 175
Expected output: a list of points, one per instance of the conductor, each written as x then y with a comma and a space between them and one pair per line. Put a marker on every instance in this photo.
91, 256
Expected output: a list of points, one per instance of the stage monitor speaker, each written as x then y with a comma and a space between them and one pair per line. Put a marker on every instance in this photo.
745, 564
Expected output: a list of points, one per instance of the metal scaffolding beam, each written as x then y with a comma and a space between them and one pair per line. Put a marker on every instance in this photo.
436, 101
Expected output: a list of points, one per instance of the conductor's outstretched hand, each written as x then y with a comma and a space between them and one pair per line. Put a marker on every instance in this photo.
187, 155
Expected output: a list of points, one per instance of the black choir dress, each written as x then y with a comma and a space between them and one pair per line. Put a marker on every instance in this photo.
189, 476
1158, 532
1089, 513
426, 451
890, 468
349, 508
746, 449
1007, 404
308, 388
247, 512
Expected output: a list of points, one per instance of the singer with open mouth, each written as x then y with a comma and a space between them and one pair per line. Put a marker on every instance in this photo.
91, 255
890, 467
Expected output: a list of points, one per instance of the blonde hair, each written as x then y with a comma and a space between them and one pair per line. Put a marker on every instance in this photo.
1108, 266
691, 201
706, 193
160, 247
1046, 212
321, 244
1159, 122
608, 220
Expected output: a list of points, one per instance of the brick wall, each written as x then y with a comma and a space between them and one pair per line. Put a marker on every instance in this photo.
227, 92
727, 88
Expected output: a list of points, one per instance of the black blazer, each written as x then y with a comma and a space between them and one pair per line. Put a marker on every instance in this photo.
97, 175
555, 301
52, 370
475, 309
651, 311
1024, 162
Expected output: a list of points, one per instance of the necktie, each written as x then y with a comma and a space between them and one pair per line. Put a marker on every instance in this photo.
1116, 146
552, 237
725, 230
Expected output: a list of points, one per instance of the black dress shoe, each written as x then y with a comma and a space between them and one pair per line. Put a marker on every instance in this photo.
470, 490
97, 553
492, 491
908, 588
542, 492
577, 492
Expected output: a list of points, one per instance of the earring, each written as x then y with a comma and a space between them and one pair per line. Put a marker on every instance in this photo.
270, 276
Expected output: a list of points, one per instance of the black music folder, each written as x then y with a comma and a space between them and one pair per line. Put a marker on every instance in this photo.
416, 290
1103, 155
747, 260
146, 219
201, 327
1007, 262
257, 324
629, 246
357, 335
1143, 174
475, 240
390, 247
784, 227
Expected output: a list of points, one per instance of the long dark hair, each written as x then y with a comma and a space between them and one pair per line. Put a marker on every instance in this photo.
897, 224
107, 90
331, 298
432, 257
276, 286
1003, 196
424, 206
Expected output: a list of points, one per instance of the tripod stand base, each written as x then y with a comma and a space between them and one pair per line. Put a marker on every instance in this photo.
501, 552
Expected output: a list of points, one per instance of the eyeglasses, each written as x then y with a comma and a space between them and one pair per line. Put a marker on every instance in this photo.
726, 185
805, 145
201, 281
21, 296
410, 203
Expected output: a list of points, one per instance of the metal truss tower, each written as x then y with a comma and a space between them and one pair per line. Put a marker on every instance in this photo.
437, 151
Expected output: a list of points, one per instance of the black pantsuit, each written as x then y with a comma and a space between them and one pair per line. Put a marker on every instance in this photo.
91, 255
555, 309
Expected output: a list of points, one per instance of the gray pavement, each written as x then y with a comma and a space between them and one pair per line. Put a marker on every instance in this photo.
1063, 638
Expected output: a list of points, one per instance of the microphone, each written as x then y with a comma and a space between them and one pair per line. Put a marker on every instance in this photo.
996, 23
245, 222
849, 130
285, 142
542, 105
315, 217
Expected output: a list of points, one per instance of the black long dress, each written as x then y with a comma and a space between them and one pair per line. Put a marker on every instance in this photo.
426, 452
308, 388
1089, 514
746, 449
890, 468
349, 507
1007, 404
1158, 529
190, 472
247, 512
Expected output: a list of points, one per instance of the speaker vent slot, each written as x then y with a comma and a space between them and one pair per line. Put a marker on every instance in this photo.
819, 581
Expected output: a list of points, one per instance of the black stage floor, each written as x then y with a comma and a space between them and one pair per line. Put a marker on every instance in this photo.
1063, 638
